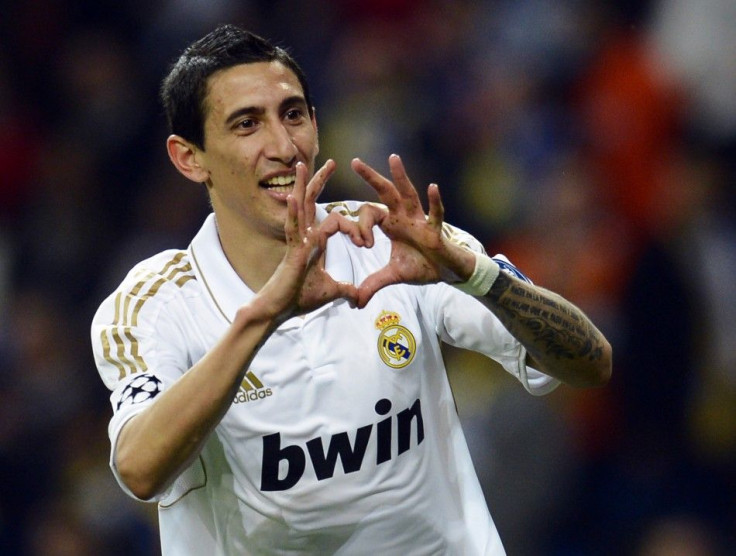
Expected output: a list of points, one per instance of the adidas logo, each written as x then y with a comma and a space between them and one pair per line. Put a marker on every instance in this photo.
251, 389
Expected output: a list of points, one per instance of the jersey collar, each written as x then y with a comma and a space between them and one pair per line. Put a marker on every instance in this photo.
225, 288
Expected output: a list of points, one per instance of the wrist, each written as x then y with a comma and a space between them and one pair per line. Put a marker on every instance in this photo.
484, 274
259, 313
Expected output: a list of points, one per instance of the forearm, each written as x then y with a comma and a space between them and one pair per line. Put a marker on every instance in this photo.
558, 336
157, 444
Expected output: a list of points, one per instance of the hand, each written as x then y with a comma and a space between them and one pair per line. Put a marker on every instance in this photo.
301, 283
420, 253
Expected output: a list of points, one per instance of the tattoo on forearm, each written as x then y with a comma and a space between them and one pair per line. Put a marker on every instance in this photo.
546, 324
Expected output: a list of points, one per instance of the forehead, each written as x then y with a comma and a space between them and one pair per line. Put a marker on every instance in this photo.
259, 84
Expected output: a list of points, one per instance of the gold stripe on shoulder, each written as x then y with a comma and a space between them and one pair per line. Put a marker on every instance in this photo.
452, 233
126, 352
139, 362
341, 207
184, 279
107, 355
120, 351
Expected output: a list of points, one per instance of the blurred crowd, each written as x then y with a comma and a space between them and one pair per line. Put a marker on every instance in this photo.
592, 142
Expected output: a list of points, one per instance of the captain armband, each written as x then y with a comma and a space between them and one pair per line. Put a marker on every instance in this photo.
485, 273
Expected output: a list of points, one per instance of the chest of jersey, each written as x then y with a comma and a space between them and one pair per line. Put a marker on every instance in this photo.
332, 362
333, 393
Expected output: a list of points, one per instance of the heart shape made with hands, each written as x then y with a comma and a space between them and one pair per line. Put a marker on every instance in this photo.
420, 253
409, 262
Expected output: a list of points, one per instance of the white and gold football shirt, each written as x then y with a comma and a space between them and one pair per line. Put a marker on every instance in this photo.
343, 437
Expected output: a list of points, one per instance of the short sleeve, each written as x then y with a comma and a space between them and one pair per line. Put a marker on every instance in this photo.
139, 350
462, 321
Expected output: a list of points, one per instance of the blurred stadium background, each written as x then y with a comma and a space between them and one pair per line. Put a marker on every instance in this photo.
590, 141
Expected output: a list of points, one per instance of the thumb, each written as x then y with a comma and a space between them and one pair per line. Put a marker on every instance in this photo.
375, 282
348, 291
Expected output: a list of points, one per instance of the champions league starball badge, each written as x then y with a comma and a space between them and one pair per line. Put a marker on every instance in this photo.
396, 345
141, 389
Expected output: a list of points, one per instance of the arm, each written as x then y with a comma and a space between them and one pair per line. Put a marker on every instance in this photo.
561, 341
155, 445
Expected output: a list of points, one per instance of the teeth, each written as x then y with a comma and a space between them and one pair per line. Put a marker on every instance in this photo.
280, 180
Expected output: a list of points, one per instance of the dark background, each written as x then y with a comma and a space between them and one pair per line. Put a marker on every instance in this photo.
591, 142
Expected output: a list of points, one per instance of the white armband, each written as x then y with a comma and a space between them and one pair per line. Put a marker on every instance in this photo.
484, 274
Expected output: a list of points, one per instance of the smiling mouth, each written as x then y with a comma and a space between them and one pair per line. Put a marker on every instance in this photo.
279, 184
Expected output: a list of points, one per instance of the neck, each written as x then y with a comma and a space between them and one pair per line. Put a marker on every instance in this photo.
254, 256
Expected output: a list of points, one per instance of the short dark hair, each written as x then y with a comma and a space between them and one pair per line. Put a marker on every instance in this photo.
184, 90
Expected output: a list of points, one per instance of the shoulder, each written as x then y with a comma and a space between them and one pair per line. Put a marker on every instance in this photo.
461, 237
165, 271
148, 283
349, 209
129, 326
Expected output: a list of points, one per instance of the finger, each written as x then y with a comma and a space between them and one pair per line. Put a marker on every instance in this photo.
375, 282
316, 253
300, 182
402, 182
315, 187
298, 193
319, 180
348, 291
436, 215
370, 215
291, 225
386, 190
336, 222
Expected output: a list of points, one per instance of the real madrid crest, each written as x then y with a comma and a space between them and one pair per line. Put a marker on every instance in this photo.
396, 345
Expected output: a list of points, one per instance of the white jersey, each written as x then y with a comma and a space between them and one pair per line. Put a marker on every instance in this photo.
343, 437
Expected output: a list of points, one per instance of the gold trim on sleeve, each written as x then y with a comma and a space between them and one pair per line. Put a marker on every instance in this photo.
124, 350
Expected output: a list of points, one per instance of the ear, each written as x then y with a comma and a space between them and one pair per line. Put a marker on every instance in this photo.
185, 157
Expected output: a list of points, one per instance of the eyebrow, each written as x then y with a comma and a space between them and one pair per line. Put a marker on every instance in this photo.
245, 111
259, 110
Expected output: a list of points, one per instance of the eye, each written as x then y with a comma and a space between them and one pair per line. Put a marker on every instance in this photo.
246, 126
294, 114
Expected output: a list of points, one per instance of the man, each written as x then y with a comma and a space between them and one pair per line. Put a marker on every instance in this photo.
278, 387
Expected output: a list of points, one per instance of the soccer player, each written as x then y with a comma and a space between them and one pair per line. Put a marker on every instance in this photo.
278, 386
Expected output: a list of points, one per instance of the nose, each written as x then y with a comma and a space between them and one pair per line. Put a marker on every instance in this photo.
281, 146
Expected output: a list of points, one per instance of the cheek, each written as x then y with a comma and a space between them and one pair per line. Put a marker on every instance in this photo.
231, 166
305, 138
